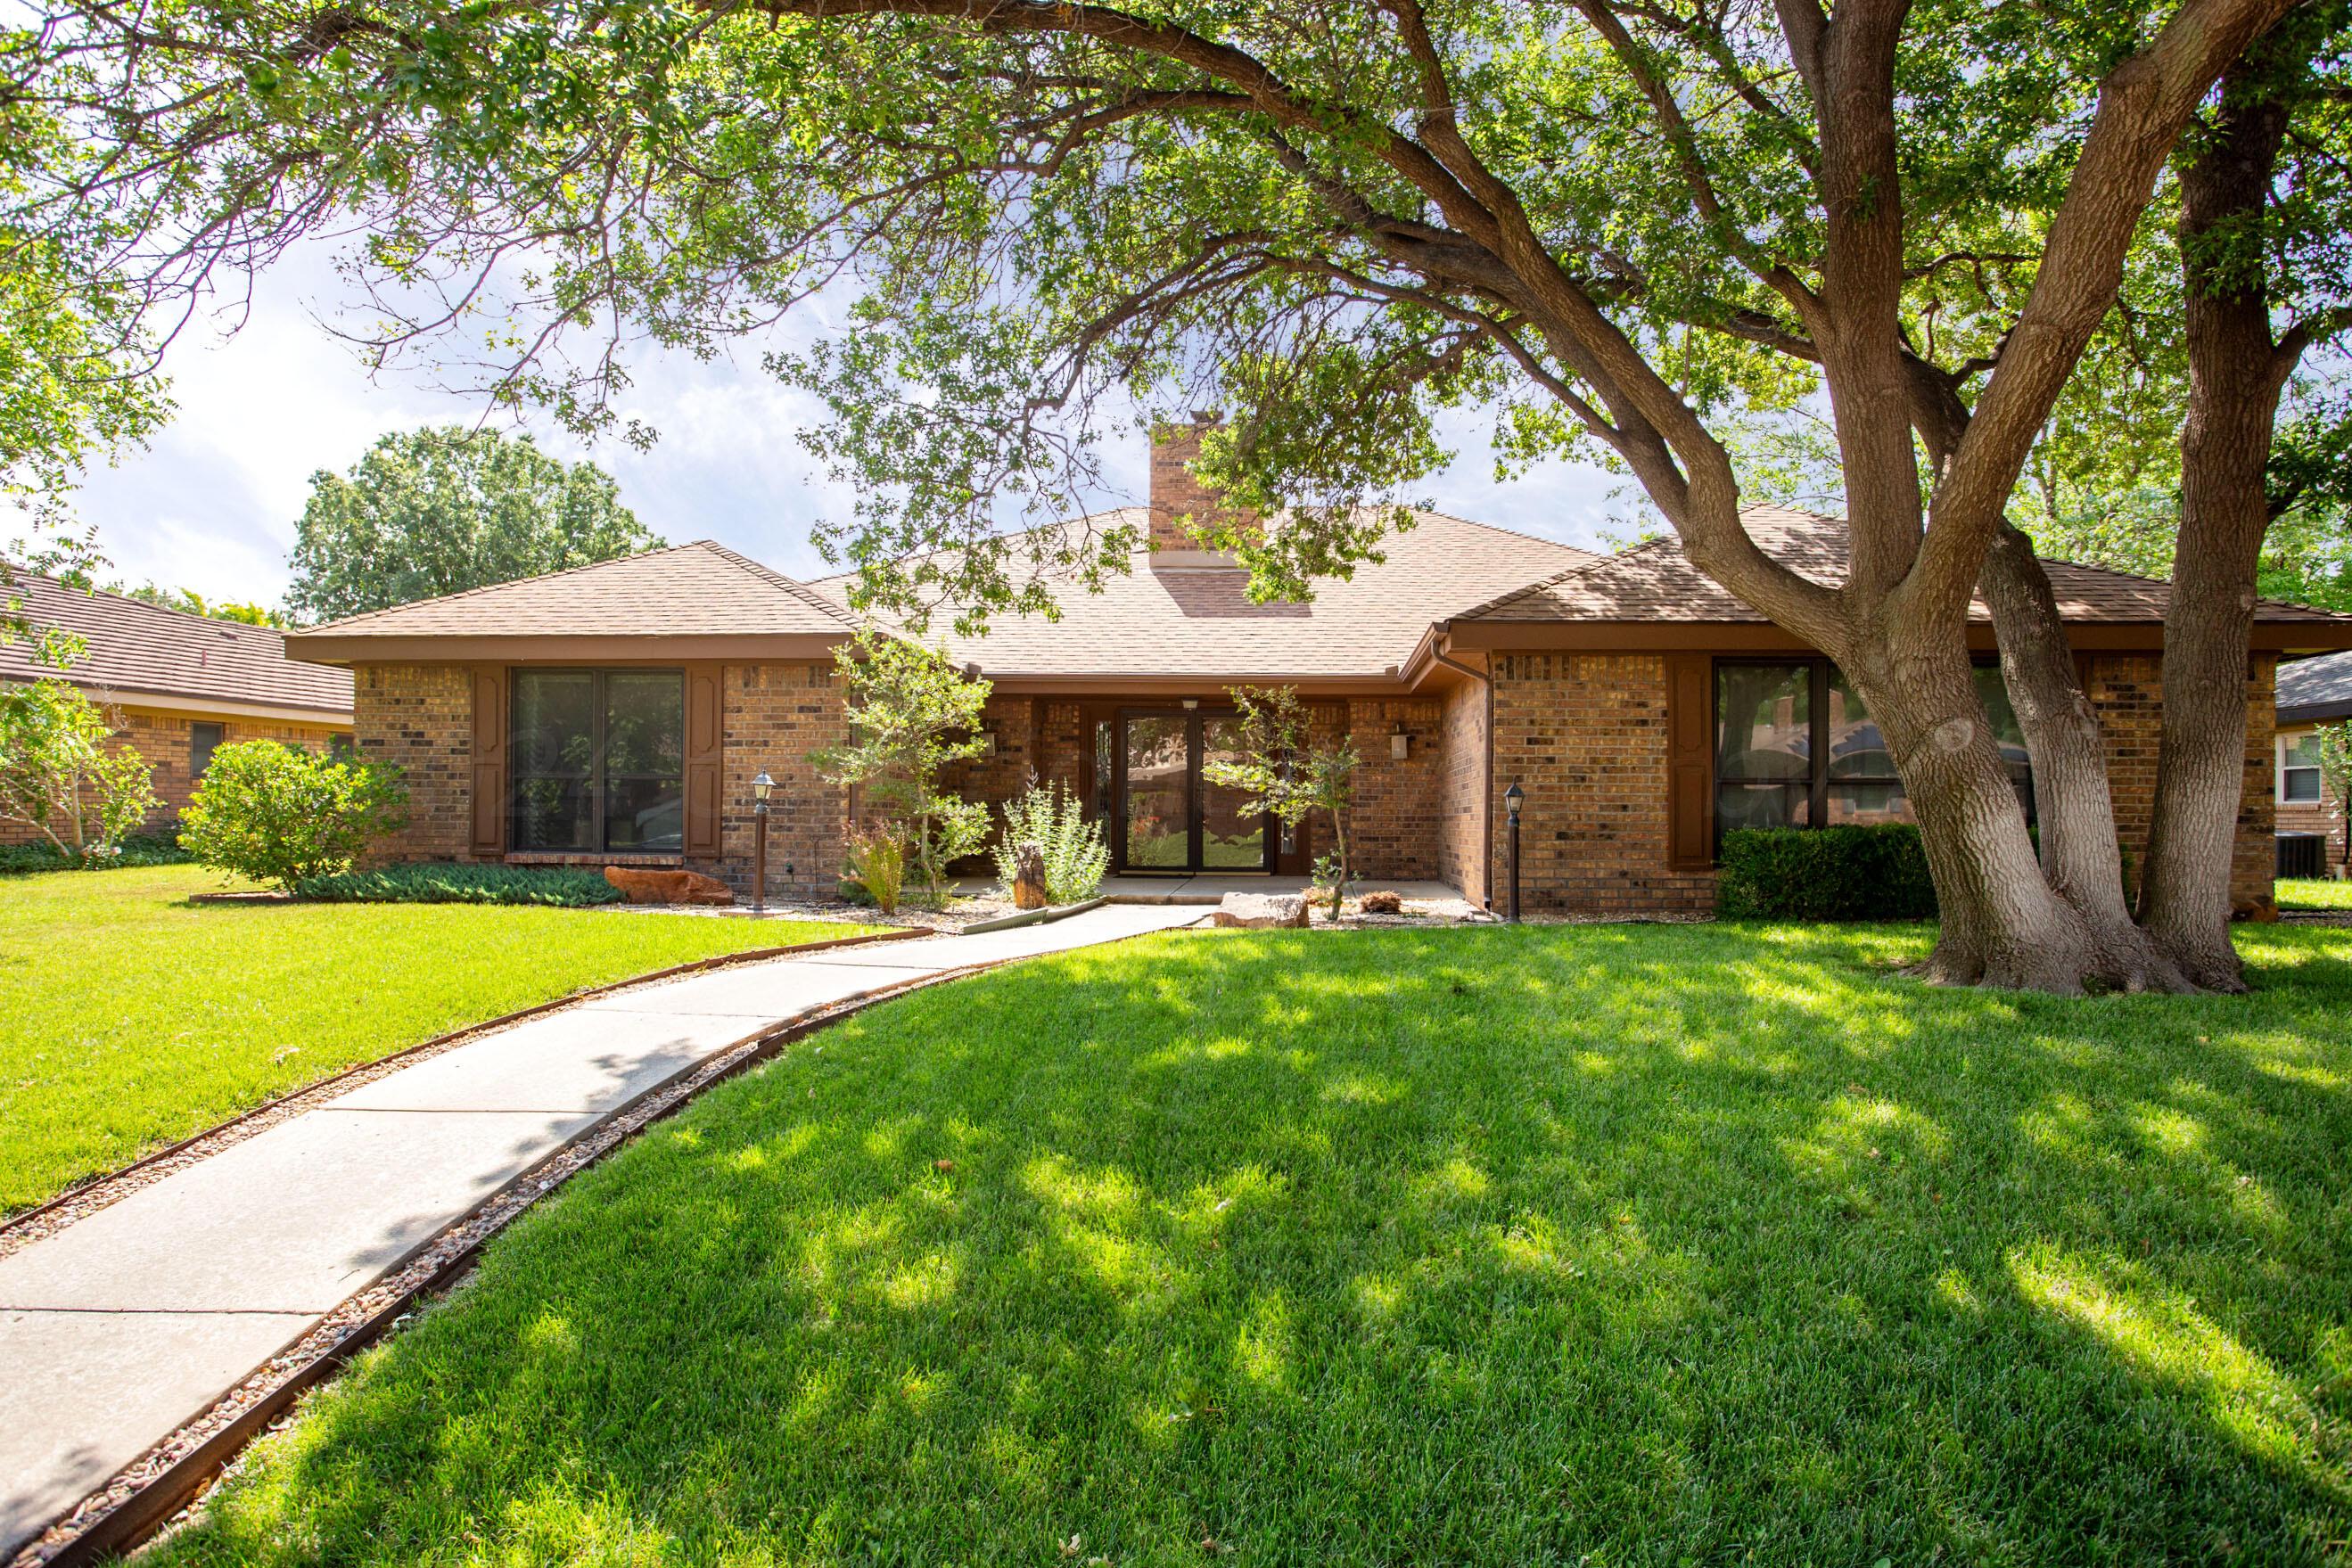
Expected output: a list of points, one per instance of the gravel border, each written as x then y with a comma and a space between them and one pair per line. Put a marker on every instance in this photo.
77, 1203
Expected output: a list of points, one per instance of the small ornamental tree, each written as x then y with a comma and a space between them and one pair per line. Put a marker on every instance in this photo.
2335, 778
280, 815
911, 713
1278, 766
58, 776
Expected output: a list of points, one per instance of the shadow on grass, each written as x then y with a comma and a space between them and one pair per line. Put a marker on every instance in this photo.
1510, 1246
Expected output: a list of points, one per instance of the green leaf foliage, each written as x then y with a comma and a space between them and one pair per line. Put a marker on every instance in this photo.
1824, 873
554, 886
1282, 767
1053, 818
911, 713
282, 816
436, 511
62, 775
134, 852
1029, 224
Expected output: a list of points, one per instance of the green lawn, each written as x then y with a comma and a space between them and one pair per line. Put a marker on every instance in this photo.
1606, 1244
133, 1017
2313, 893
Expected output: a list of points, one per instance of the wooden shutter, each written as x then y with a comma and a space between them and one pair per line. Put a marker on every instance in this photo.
705, 748
1690, 761
488, 830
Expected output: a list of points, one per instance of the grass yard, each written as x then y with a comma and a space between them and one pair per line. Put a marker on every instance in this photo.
2312, 892
135, 1017
1592, 1244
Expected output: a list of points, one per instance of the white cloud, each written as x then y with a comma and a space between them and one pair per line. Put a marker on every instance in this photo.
212, 505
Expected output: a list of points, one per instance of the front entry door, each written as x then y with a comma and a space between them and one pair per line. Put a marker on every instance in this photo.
1171, 819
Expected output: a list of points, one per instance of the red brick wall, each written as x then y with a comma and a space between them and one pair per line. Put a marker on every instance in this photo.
2127, 689
1393, 828
162, 740
1176, 493
774, 716
420, 719
2324, 815
1461, 799
1584, 735
1005, 772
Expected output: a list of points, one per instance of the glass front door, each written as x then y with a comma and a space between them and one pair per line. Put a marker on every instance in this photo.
1171, 818
1158, 793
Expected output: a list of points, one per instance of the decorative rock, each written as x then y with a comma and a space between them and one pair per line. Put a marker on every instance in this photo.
669, 886
1262, 911
1028, 876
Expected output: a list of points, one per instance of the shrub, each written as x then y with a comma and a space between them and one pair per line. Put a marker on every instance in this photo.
553, 885
1051, 818
1826, 874
140, 851
282, 816
60, 775
878, 868
912, 713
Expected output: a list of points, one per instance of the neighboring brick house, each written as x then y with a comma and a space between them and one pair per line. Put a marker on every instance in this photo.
176, 687
620, 711
2311, 692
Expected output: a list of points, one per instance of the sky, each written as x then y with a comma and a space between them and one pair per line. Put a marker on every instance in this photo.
211, 504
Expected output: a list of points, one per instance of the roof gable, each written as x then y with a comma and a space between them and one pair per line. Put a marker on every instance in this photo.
698, 590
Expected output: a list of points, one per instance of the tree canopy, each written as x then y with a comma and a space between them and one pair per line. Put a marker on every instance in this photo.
1633, 228
436, 511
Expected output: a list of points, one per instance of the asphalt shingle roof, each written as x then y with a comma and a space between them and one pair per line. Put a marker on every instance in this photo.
1655, 582
2315, 688
1194, 621
702, 589
135, 647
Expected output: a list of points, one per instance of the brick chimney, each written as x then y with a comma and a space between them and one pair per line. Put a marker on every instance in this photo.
1178, 496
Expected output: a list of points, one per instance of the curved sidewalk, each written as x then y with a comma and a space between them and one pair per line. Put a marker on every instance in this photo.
124, 1325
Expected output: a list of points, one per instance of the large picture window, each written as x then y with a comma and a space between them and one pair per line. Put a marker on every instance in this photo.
1795, 746
599, 759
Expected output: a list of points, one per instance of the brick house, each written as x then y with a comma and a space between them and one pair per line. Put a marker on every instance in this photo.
620, 711
2311, 692
176, 686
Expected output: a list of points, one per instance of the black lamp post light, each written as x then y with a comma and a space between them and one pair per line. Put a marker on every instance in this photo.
760, 788
1513, 799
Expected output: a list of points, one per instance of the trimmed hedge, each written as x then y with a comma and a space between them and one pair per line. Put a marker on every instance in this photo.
1824, 873
19, 860
557, 885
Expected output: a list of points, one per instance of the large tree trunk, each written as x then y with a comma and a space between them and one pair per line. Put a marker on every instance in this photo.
2234, 381
2001, 923
2081, 859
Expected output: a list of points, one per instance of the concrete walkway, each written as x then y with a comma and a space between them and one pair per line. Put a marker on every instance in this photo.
124, 1325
